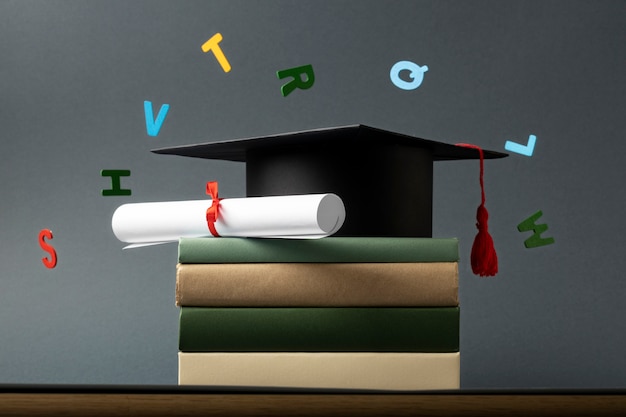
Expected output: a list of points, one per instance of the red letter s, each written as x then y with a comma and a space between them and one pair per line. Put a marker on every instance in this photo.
52, 262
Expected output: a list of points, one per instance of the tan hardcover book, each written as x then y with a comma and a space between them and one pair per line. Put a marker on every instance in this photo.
425, 284
348, 370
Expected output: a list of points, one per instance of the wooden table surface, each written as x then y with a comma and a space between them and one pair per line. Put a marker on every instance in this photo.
96, 401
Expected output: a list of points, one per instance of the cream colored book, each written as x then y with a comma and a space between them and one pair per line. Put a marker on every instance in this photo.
325, 370
414, 284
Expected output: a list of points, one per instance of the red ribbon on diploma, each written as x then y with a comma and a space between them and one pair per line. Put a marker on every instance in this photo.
212, 212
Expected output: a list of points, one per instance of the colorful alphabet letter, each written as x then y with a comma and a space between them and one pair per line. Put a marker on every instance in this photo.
213, 45
298, 81
115, 175
52, 262
535, 240
154, 126
415, 72
526, 150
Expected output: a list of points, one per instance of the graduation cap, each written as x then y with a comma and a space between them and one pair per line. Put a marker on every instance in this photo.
385, 179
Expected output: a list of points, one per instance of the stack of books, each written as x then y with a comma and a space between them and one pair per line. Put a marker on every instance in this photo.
378, 313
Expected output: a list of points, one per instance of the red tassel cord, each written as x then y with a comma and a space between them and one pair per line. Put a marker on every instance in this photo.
484, 258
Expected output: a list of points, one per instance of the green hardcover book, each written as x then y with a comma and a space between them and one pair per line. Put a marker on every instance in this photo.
329, 249
328, 329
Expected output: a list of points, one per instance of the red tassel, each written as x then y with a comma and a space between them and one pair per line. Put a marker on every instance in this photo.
484, 258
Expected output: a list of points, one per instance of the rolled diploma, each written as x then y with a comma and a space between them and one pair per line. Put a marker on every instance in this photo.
294, 216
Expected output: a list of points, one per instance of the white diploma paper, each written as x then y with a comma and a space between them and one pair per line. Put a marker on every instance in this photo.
306, 216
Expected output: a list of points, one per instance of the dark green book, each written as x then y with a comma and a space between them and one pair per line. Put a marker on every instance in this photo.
328, 329
328, 249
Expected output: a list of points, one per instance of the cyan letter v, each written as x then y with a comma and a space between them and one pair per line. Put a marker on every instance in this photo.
153, 126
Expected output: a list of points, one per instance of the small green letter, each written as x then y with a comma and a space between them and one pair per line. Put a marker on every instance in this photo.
115, 175
529, 225
298, 81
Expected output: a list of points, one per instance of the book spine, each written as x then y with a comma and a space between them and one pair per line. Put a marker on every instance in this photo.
327, 370
433, 284
326, 329
329, 249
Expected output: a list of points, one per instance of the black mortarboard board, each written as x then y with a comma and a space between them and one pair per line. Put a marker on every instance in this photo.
385, 179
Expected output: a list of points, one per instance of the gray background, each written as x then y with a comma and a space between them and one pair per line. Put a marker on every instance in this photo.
73, 78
